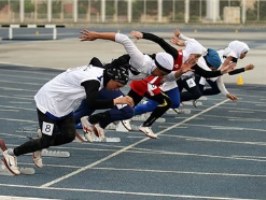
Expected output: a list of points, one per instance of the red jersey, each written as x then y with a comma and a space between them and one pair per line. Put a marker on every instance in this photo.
150, 85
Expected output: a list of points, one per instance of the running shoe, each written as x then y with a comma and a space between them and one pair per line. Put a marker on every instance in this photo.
148, 132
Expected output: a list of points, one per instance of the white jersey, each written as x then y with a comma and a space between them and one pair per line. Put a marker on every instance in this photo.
64, 93
141, 63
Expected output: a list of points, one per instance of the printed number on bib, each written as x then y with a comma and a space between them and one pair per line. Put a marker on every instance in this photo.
191, 83
151, 88
47, 128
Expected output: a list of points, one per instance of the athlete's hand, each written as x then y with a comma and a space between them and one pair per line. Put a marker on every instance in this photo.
136, 34
176, 41
249, 67
86, 35
231, 97
177, 32
124, 100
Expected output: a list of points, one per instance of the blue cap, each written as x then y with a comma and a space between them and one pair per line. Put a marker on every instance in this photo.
213, 59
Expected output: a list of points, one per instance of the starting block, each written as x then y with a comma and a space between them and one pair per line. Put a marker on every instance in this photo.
53, 153
81, 139
145, 116
58, 154
23, 170
117, 127
178, 111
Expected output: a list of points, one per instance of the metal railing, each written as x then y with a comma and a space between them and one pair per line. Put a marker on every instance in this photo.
133, 11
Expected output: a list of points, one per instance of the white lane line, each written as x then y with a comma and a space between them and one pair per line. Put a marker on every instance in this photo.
181, 172
119, 192
245, 120
201, 139
20, 102
48, 184
225, 128
21, 198
21, 83
36, 72
241, 111
26, 77
17, 97
16, 89
8, 110
17, 120
17, 108
235, 118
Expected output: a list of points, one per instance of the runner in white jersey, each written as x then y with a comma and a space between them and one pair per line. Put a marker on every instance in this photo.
57, 100
141, 66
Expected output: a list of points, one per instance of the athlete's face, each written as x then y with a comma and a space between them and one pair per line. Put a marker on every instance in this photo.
114, 85
158, 72
243, 55
195, 57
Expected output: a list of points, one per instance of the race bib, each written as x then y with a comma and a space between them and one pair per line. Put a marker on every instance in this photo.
191, 83
47, 128
202, 81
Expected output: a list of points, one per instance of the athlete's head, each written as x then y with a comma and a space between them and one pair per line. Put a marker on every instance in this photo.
213, 59
164, 64
115, 76
193, 50
239, 49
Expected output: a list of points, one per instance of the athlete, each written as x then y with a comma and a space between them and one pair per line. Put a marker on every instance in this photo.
141, 66
193, 50
57, 99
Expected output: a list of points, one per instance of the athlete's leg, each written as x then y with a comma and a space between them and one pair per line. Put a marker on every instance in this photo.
193, 92
115, 114
54, 133
213, 90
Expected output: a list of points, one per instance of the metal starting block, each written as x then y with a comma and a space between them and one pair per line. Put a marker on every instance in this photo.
53, 153
190, 103
145, 116
23, 170
58, 154
178, 111
81, 139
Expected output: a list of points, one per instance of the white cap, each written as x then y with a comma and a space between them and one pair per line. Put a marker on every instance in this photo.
194, 47
236, 48
164, 61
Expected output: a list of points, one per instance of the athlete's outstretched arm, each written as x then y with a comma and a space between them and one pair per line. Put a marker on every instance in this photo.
160, 41
86, 35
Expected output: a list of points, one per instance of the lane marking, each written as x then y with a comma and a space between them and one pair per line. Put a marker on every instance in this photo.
48, 184
17, 108
181, 172
17, 120
223, 127
17, 97
16, 89
22, 198
119, 192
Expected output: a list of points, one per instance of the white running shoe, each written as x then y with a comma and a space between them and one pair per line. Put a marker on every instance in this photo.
148, 132
126, 124
87, 128
89, 135
99, 132
37, 155
10, 162
37, 159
